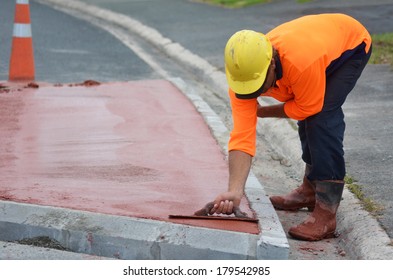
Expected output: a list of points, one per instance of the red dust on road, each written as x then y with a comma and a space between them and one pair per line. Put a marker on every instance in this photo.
137, 149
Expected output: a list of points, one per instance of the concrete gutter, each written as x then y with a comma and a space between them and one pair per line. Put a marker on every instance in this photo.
120, 237
356, 225
14, 251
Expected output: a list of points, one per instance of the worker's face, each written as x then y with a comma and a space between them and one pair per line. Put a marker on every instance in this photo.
270, 80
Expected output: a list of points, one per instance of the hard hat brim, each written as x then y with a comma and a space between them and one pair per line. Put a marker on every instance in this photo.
246, 87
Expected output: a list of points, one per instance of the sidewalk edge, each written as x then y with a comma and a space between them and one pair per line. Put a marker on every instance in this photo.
120, 237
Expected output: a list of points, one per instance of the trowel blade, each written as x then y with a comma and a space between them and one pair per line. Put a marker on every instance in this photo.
214, 217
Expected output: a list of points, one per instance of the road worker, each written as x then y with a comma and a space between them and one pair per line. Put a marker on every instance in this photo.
309, 65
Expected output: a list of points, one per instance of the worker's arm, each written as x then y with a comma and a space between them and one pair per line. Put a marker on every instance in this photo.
239, 168
241, 148
272, 111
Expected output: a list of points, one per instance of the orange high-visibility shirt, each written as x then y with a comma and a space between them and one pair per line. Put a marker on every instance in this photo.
307, 46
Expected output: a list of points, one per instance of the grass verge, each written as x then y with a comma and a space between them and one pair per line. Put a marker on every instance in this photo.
382, 49
243, 3
367, 203
235, 3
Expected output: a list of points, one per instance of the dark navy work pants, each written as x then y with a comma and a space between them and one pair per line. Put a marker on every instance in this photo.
322, 135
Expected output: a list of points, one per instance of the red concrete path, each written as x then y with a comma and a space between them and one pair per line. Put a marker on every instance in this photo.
136, 149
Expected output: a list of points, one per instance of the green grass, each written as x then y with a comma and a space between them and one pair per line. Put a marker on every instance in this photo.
235, 3
367, 203
243, 3
382, 49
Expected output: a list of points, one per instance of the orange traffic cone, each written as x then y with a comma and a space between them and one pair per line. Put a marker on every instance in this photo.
22, 58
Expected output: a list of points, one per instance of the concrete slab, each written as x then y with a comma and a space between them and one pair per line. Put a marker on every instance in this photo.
123, 156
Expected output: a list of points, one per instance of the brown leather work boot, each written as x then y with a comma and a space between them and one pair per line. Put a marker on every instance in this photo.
303, 196
321, 223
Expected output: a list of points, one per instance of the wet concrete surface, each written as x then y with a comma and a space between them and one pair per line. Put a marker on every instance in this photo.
137, 149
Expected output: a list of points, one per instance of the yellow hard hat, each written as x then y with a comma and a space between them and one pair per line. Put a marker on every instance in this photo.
247, 59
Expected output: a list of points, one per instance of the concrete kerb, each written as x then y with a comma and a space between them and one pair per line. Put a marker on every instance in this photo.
362, 235
120, 237
14, 251
350, 227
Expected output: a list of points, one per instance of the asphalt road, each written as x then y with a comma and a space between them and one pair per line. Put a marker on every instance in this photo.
69, 50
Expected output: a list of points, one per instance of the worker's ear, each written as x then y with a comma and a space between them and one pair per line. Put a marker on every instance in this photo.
273, 63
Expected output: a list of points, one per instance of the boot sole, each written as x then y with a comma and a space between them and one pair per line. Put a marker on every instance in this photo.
313, 238
309, 208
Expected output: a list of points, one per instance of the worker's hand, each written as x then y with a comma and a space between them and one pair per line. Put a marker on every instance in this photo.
271, 111
225, 203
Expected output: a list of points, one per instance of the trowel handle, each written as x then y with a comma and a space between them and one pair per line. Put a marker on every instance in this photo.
205, 211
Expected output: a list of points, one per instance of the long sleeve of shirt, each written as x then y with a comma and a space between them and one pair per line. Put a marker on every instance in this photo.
244, 117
